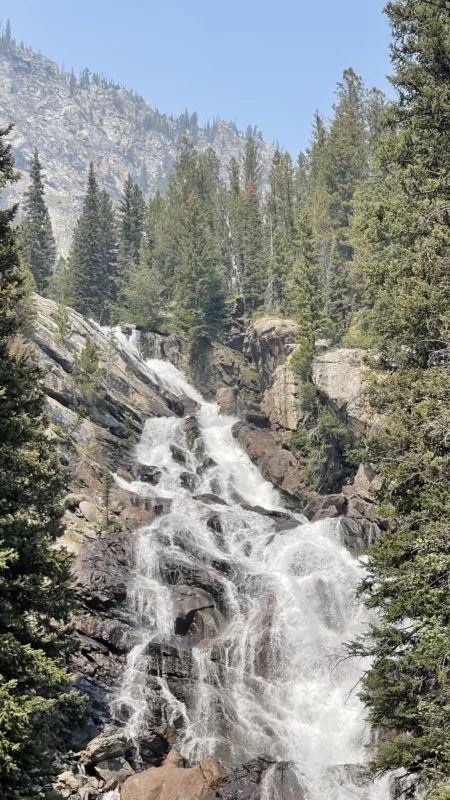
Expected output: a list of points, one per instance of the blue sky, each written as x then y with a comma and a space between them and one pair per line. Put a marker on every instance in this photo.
255, 61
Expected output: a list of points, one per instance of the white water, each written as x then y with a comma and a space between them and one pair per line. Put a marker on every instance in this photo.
272, 680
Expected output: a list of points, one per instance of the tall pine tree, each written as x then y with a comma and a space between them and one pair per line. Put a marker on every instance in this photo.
35, 594
253, 239
88, 269
38, 243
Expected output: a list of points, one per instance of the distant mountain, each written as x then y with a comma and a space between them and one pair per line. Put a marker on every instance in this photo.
73, 120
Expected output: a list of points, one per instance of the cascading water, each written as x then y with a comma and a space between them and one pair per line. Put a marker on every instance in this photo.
264, 672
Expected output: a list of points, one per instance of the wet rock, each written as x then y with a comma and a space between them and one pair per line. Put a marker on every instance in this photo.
116, 635
244, 782
276, 464
210, 499
188, 480
151, 475
257, 419
226, 398
192, 432
176, 572
215, 772
215, 523
169, 657
167, 783
208, 463
103, 570
178, 454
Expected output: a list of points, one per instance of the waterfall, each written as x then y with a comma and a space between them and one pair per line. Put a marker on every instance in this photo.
242, 619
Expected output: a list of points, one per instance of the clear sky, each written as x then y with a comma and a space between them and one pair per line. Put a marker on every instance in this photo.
264, 62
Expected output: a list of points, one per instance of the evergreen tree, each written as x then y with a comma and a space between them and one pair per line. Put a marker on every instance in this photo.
199, 296
88, 270
108, 247
36, 598
253, 240
280, 212
304, 292
233, 223
403, 240
131, 218
38, 243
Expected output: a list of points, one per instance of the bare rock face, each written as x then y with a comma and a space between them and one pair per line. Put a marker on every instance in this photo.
227, 399
100, 122
271, 341
281, 401
276, 464
340, 375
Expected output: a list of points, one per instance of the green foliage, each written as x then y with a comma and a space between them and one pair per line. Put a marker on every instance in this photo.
36, 599
321, 444
86, 372
253, 242
61, 319
91, 260
38, 243
401, 234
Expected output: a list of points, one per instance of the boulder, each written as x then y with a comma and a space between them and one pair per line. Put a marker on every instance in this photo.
151, 475
188, 480
111, 744
196, 614
226, 398
117, 769
178, 454
167, 783
214, 772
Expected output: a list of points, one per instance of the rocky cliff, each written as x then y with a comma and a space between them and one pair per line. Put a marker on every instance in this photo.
73, 122
96, 433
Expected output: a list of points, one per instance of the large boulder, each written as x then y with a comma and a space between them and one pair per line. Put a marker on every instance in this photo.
167, 783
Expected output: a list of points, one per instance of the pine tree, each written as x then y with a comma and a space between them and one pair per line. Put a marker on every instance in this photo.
88, 270
35, 592
403, 240
131, 218
108, 248
38, 243
199, 296
253, 241
304, 292
280, 212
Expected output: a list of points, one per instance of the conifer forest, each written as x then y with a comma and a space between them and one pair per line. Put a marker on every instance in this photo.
224, 570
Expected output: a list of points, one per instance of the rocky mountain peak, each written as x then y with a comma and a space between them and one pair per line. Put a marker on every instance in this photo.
73, 120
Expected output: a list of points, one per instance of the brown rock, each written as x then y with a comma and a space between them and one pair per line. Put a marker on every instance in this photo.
226, 398
214, 772
166, 783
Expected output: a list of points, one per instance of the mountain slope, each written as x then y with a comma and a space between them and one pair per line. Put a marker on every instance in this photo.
72, 121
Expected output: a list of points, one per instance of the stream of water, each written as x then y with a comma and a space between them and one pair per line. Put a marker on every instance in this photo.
268, 674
